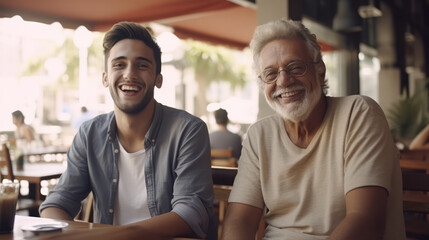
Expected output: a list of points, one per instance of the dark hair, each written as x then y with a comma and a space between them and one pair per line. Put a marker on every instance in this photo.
221, 116
18, 114
129, 30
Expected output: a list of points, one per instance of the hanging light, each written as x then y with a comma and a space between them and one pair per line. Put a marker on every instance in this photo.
347, 19
370, 10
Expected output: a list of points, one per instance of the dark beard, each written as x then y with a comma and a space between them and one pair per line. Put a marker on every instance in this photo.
139, 107
142, 105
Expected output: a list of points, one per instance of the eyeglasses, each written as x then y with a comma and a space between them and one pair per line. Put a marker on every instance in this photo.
293, 69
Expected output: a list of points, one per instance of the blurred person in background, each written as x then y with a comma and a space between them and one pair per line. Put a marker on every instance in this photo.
23, 130
421, 141
222, 138
85, 115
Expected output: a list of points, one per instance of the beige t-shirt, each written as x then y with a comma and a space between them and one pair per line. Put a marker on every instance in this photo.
304, 189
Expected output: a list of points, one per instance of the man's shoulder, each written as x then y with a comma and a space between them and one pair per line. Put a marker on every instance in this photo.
234, 135
355, 102
177, 115
225, 133
99, 121
352, 99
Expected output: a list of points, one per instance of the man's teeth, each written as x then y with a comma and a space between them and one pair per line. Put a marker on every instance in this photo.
288, 94
129, 88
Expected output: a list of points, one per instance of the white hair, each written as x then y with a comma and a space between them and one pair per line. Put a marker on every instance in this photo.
286, 29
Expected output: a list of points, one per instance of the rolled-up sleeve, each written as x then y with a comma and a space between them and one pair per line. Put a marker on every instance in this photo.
193, 187
73, 185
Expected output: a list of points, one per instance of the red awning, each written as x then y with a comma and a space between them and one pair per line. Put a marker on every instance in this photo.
216, 21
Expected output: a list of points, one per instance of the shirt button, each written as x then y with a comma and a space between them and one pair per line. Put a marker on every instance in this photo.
153, 140
116, 150
115, 180
110, 210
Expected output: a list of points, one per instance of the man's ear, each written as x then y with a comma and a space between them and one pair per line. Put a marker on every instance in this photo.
322, 74
322, 78
158, 81
104, 80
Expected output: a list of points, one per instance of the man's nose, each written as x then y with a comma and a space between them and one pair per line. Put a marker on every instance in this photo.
130, 72
283, 78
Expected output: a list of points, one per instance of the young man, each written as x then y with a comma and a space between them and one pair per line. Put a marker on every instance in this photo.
322, 167
147, 165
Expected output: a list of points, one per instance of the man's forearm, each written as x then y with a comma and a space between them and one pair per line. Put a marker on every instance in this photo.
160, 227
241, 222
165, 225
238, 231
55, 213
357, 227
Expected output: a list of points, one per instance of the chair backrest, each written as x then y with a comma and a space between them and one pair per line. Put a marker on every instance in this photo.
6, 168
221, 153
224, 175
223, 157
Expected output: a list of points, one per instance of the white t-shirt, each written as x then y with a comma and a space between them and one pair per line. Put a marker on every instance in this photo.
131, 199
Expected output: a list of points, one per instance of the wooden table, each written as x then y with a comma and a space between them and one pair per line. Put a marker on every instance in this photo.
35, 173
47, 150
414, 164
25, 220
72, 228
47, 154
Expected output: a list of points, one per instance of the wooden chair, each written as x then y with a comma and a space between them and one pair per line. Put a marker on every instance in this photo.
223, 157
223, 179
6, 164
86, 212
6, 169
417, 204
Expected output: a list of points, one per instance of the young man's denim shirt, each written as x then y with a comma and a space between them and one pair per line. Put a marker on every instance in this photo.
177, 169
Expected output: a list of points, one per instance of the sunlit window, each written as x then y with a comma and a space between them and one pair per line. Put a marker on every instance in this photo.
369, 68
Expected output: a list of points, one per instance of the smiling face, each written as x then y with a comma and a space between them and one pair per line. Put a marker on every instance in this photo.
294, 98
131, 75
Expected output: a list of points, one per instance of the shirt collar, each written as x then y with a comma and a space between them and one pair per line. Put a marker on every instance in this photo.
151, 134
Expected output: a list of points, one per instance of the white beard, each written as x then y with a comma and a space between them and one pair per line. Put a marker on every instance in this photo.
297, 111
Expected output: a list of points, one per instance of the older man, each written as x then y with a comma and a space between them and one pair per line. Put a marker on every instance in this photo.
322, 167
